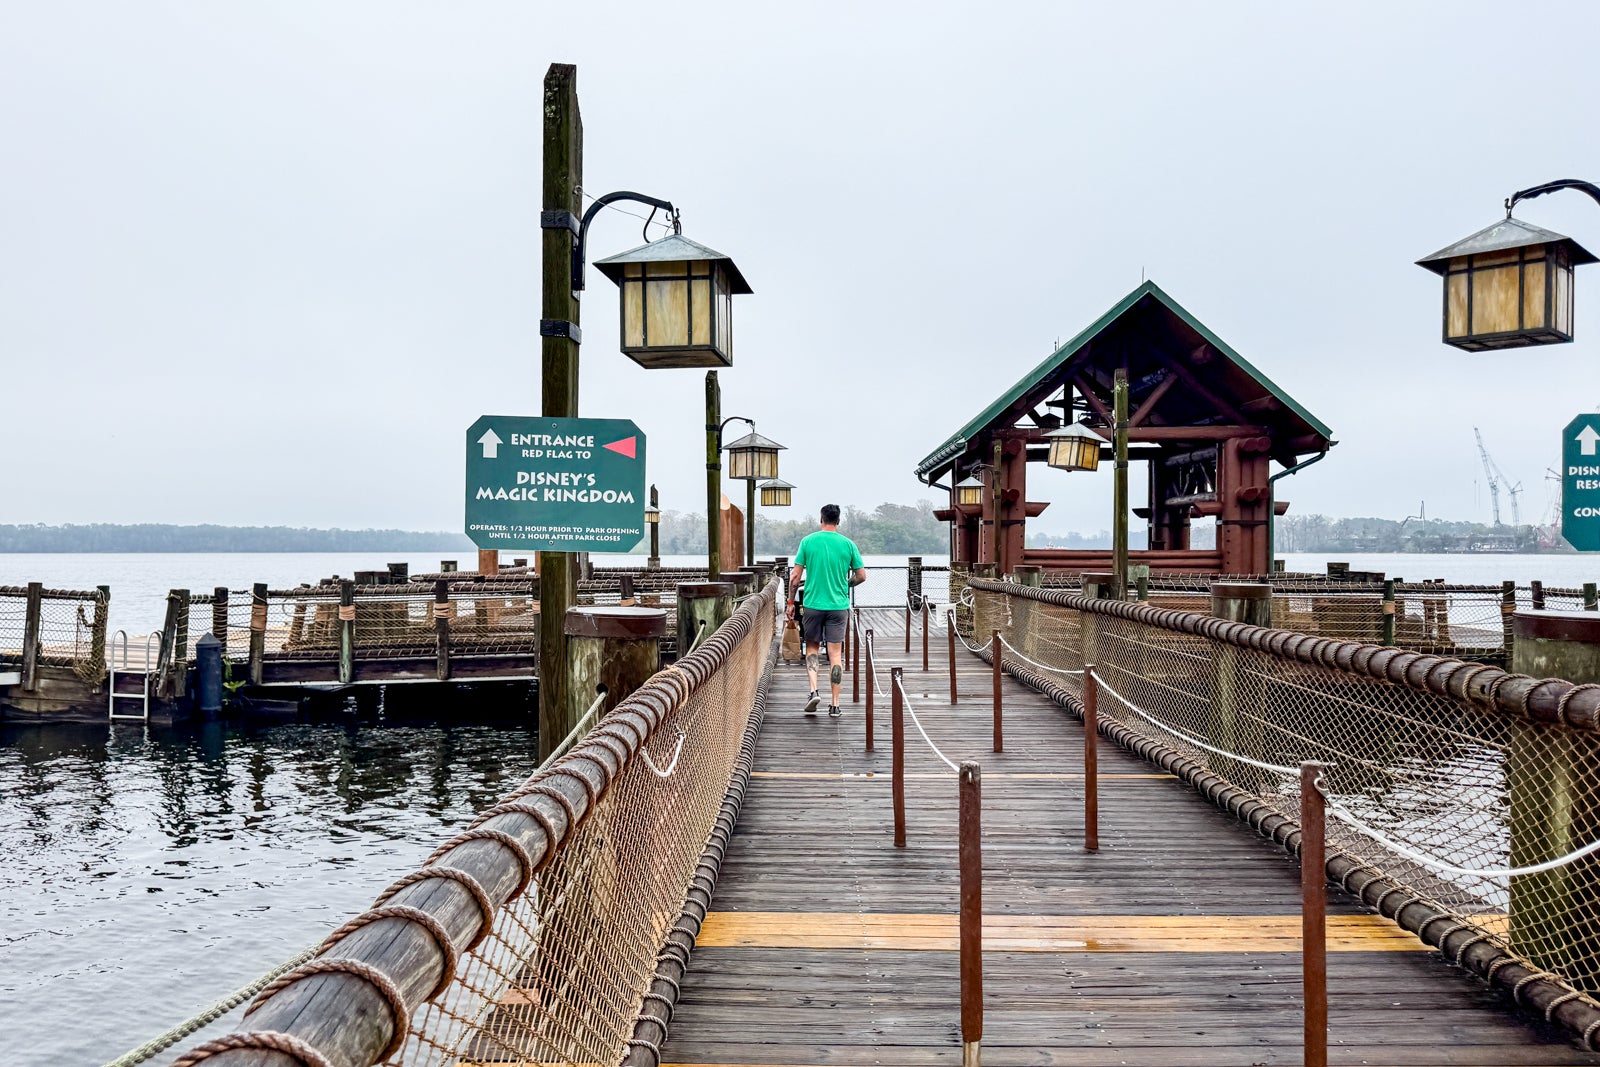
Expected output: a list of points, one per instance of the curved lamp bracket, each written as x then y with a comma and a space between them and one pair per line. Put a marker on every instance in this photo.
1550, 187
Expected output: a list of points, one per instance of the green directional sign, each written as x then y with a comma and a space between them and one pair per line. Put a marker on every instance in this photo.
1580, 483
555, 485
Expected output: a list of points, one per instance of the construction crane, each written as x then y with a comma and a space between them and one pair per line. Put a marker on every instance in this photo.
1495, 476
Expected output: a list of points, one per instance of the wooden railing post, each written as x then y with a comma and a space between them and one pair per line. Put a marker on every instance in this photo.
1508, 615
995, 650
854, 631
908, 624
441, 629
1388, 612
258, 632
1536, 593
1314, 915
898, 760
219, 617
347, 629
1091, 759
97, 636
970, 851
33, 615
872, 682
1591, 596
924, 635
950, 640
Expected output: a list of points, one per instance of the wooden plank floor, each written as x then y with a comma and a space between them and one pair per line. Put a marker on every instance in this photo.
1176, 944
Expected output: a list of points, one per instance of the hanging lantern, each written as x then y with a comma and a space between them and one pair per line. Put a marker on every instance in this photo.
969, 493
776, 493
1508, 286
652, 515
753, 457
1074, 448
677, 303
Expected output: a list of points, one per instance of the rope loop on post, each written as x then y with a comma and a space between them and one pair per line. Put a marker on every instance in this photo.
263, 1040
500, 837
435, 929
400, 1021
461, 878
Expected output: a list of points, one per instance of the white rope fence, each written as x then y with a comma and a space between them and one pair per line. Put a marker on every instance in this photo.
1271, 768
905, 699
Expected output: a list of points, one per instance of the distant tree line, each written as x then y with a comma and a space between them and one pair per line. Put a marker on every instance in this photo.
1319, 533
888, 529
164, 537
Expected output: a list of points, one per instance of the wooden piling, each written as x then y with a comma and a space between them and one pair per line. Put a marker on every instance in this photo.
897, 763
31, 623
969, 838
441, 629
1313, 915
258, 632
707, 603
616, 649
1387, 636
219, 617
347, 631
1091, 759
996, 652
97, 636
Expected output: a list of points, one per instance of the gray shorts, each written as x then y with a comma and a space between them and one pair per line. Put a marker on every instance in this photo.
823, 627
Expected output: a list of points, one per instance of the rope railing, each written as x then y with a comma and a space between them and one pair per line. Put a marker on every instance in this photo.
535, 935
1463, 800
915, 721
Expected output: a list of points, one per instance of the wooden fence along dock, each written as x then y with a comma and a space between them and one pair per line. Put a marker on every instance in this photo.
952, 873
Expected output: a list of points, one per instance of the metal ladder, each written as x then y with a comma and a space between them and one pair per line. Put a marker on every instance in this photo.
119, 650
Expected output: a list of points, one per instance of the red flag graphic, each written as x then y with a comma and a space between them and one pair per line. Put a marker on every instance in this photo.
628, 446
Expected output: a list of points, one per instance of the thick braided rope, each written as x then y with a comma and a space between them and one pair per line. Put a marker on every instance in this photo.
400, 1015
266, 1040
499, 837
460, 877
435, 929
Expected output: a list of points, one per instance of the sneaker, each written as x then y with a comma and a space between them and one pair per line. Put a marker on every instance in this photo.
835, 712
811, 705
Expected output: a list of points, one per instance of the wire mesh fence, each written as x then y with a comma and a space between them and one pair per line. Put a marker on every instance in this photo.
1445, 777
63, 628
536, 935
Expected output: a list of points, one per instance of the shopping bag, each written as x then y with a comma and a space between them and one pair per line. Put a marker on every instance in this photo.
792, 649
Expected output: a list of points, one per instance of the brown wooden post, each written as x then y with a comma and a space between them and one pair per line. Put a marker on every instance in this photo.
562, 197
219, 617
969, 836
1314, 915
169, 645
488, 562
441, 629
898, 760
995, 653
855, 657
615, 649
1591, 596
924, 635
950, 642
702, 608
1091, 760
1508, 616
625, 597
258, 632
32, 621
872, 681
97, 636
347, 631
1536, 591
908, 625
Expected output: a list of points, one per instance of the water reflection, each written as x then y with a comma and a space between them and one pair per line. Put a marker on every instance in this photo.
151, 869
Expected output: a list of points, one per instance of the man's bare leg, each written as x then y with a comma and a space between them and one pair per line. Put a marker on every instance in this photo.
813, 661
835, 673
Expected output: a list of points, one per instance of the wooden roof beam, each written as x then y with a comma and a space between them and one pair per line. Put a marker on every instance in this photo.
1150, 401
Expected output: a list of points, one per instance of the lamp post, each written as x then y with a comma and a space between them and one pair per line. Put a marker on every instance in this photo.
1510, 284
676, 311
752, 458
652, 518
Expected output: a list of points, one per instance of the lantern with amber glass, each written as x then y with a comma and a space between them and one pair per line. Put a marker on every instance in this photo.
753, 457
1074, 448
969, 492
677, 303
1508, 286
652, 515
776, 493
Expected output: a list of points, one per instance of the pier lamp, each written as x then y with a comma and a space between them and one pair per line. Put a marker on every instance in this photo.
677, 303
776, 493
753, 457
1074, 448
1510, 284
969, 492
652, 518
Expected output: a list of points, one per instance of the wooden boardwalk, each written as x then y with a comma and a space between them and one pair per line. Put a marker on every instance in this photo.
1177, 943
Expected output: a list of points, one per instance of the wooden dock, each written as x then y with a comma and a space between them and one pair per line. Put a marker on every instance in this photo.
1176, 944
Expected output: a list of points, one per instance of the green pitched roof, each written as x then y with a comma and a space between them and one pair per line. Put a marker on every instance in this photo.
955, 444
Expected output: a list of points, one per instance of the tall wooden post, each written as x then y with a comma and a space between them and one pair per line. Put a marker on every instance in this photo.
615, 649
1314, 915
997, 479
489, 562
32, 619
969, 851
219, 617
654, 560
713, 476
347, 631
1119, 489
897, 761
97, 636
441, 629
563, 185
750, 520
258, 631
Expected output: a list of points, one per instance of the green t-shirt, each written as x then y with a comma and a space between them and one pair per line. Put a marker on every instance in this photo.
828, 557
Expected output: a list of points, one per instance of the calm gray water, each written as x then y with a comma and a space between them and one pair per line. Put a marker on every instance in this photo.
150, 871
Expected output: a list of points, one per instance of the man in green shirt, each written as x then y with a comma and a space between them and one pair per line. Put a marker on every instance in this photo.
830, 564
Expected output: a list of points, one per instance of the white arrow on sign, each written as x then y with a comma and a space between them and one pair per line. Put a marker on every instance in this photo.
491, 444
1587, 438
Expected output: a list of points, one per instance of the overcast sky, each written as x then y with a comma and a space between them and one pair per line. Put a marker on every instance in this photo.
264, 263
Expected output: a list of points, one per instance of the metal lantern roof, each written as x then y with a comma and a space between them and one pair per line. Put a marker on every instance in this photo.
674, 249
1077, 429
774, 483
1504, 234
754, 442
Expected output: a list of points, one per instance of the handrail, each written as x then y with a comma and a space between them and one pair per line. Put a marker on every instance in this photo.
1548, 700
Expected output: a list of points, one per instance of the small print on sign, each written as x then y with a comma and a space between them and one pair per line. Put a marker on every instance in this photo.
555, 485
